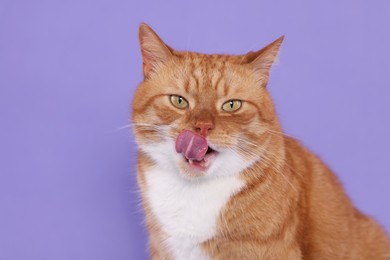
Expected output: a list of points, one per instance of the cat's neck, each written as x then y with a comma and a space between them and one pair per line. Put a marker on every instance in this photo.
187, 212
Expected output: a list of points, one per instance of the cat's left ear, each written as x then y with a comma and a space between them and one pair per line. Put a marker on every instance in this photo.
261, 61
154, 51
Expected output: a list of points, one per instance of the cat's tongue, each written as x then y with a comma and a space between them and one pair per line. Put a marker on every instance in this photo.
192, 145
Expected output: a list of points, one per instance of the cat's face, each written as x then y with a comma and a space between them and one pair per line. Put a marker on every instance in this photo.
218, 101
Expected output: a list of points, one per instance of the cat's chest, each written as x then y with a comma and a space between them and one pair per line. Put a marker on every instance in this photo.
188, 211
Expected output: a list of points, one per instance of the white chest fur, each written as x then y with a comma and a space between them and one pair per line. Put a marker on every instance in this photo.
188, 211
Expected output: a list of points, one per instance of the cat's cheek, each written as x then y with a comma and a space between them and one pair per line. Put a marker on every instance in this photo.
229, 163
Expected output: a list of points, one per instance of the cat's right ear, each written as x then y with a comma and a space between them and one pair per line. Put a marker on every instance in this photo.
261, 61
153, 49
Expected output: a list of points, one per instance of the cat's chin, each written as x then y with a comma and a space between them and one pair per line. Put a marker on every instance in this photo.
196, 169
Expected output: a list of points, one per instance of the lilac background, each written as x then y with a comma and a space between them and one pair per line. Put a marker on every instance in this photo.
67, 73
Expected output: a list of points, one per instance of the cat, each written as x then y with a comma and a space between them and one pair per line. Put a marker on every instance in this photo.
220, 180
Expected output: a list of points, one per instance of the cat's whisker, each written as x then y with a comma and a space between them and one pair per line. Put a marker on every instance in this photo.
265, 129
163, 127
266, 158
280, 171
269, 130
123, 127
147, 124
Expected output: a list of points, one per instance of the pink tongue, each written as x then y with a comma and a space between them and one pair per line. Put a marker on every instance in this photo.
193, 146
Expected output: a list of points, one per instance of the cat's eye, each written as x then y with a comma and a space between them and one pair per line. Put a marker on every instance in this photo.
231, 105
178, 101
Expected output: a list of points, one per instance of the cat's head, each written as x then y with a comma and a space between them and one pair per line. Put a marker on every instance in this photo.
203, 116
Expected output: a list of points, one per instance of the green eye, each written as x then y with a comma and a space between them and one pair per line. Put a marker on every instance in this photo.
178, 102
231, 105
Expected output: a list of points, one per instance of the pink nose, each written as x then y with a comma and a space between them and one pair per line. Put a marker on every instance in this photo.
203, 127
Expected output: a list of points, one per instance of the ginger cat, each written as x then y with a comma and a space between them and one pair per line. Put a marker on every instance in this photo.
218, 177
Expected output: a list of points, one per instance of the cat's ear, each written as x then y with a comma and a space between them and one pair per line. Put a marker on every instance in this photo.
153, 49
261, 61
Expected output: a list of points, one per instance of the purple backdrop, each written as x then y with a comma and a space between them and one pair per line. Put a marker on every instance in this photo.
67, 73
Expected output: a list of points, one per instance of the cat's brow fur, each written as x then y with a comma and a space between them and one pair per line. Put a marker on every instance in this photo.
274, 198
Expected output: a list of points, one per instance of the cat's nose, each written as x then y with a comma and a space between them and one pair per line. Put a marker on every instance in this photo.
204, 127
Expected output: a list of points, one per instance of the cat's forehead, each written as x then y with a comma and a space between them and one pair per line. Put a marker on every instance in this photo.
209, 60
208, 68
210, 76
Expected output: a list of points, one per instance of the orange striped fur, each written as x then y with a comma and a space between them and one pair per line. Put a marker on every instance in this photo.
282, 203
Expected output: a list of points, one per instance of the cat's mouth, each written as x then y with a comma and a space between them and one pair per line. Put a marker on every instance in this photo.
204, 163
195, 149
